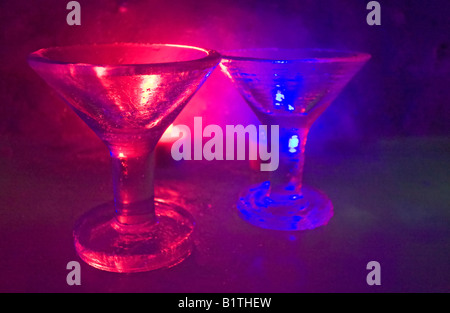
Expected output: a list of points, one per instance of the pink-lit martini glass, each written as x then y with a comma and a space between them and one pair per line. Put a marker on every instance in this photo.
289, 88
129, 94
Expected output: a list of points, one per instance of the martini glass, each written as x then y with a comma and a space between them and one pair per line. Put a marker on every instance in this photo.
129, 94
289, 88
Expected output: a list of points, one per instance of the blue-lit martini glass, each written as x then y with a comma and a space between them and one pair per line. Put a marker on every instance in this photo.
289, 88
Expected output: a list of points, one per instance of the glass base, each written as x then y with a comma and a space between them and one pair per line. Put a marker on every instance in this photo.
105, 244
307, 210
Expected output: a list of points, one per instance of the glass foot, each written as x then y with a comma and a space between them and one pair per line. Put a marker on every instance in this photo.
107, 245
307, 210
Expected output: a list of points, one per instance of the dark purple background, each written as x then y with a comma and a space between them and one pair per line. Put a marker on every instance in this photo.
389, 187
402, 91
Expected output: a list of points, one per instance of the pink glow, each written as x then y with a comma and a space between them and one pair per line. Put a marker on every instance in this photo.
167, 136
149, 85
100, 71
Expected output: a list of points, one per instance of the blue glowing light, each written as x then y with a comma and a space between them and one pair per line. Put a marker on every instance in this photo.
293, 143
279, 96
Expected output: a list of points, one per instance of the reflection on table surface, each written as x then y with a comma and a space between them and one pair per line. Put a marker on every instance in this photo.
391, 205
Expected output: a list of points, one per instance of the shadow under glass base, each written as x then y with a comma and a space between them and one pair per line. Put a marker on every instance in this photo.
308, 210
105, 244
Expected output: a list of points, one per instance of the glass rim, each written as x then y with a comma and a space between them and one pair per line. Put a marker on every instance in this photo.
346, 56
39, 55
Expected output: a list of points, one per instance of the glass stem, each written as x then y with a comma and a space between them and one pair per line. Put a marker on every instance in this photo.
133, 186
287, 179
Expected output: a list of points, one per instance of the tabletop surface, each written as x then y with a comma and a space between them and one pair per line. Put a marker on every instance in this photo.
391, 205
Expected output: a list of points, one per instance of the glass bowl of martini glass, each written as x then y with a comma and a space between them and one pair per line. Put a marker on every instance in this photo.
128, 94
289, 88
